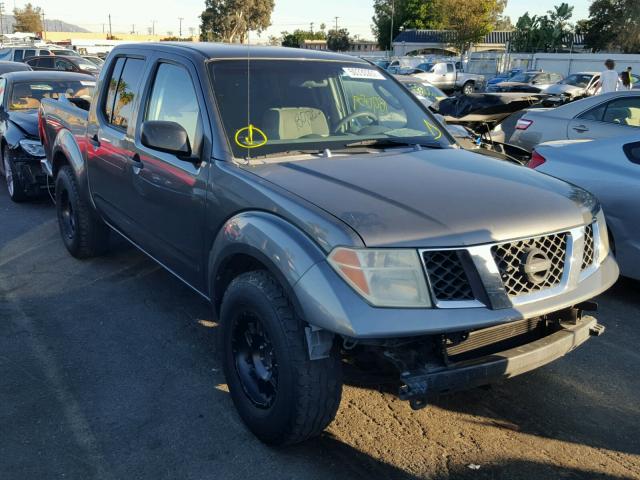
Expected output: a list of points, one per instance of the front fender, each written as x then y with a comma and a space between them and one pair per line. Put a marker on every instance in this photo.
286, 251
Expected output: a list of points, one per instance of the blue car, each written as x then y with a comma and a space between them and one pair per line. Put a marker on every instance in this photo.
502, 77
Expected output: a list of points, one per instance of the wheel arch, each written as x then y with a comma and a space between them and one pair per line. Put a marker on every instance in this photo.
258, 240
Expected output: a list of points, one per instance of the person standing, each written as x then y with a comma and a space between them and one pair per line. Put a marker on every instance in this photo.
609, 79
627, 79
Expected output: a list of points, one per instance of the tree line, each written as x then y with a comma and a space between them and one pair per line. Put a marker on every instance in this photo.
472, 20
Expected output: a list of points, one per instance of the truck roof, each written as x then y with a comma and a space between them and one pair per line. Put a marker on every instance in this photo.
224, 51
28, 75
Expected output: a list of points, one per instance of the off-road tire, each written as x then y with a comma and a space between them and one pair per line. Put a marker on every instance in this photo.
90, 237
16, 191
308, 391
468, 88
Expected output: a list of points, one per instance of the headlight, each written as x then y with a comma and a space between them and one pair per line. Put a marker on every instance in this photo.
32, 147
385, 278
603, 237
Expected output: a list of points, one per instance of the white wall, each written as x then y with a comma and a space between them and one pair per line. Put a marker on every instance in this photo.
565, 63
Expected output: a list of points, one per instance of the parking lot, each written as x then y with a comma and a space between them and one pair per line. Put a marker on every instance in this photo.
109, 370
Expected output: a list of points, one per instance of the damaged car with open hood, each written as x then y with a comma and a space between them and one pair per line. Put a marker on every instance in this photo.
330, 219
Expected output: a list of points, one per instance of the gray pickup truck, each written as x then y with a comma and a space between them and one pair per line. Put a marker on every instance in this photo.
329, 219
449, 76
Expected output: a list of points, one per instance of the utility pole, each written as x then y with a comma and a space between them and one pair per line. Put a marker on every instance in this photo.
110, 32
44, 28
1, 22
393, 14
311, 28
103, 28
337, 24
133, 29
180, 29
153, 27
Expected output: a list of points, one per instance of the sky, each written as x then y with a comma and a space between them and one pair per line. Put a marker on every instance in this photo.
355, 15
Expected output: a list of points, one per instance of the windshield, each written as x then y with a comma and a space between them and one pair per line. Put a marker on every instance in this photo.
27, 95
68, 53
427, 67
523, 77
85, 64
294, 105
577, 80
425, 90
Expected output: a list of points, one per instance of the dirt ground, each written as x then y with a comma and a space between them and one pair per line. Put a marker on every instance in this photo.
108, 370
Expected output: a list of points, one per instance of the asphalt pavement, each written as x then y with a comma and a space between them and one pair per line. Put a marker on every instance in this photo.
109, 370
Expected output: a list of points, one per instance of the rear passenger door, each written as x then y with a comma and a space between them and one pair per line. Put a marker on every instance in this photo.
620, 116
109, 149
170, 192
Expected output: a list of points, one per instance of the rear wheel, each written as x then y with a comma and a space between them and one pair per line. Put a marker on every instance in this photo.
15, 187
83, 233
281, 395
468, 88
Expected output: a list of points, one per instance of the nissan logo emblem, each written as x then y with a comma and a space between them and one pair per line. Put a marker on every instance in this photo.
536, 266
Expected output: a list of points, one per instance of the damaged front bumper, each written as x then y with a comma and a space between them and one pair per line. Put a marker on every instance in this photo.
418, 385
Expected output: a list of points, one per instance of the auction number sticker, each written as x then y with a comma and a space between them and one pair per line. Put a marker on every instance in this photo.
362, 73
250, 137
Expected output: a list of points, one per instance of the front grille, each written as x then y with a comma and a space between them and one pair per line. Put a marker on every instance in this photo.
511, 259
448, 279
589, 248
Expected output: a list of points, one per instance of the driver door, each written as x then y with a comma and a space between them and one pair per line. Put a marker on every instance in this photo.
617, 117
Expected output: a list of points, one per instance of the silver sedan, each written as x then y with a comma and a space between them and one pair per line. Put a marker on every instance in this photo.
602, 116
610, 169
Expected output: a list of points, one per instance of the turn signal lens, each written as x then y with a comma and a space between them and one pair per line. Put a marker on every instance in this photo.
384, 277
603, 237
536, 160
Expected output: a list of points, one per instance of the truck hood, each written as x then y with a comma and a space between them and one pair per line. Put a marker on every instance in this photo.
27, 121
433, 198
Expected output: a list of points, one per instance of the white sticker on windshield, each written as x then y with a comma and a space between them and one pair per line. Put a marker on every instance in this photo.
365, 73
87, 84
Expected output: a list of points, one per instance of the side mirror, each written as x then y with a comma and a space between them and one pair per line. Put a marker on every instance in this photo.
167, 137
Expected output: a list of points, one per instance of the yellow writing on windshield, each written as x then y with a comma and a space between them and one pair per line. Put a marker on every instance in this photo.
250, 137
434, 131
375, 104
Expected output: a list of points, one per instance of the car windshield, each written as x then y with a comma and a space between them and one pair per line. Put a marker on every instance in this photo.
69, 53
577, 80
27, 95
523, 77
85, 64
301, 105
425, 90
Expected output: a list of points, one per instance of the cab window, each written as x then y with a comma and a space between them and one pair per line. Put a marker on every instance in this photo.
173, 99
123, 90
18, 55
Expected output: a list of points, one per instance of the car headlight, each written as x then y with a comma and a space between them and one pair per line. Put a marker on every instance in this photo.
603, 237
384, 277
32, 147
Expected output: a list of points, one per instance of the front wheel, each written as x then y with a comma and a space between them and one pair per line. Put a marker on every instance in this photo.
15, 187
468, 88
282, 396
83, 233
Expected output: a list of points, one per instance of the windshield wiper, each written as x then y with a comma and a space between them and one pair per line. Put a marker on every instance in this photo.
388, 143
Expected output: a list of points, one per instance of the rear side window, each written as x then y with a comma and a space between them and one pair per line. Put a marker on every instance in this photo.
623, 111
173, 99
594, 114
18, 56
29, 53
123, 90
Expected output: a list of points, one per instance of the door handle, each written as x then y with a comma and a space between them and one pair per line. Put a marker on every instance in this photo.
95, 141
581, 128
137, 163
